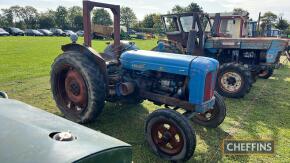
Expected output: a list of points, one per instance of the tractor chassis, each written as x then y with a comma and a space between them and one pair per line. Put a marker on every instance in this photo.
82, 80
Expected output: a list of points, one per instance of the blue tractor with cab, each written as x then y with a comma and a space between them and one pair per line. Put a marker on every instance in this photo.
241, 59
82, 81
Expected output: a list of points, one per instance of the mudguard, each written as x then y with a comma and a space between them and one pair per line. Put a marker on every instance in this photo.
89, 52
169, 43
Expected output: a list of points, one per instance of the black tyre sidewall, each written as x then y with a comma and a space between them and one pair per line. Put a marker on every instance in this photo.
182, 123
94, 81
218, 118
267, 75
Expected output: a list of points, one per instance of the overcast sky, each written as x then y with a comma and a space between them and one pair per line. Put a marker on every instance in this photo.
143, 7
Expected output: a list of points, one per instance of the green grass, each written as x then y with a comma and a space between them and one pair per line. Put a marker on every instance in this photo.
263, 114
28, 57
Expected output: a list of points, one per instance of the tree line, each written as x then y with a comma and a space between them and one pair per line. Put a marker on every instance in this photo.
72, 18
30, 17
270, 19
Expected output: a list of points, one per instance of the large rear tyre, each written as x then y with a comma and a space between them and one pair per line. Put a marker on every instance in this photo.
234, 80
266, 74
215, 116
78, 87
170, 135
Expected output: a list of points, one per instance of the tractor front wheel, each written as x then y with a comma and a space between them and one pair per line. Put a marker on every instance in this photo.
215, 116
266, 74
78, 87
170, 135
234, 80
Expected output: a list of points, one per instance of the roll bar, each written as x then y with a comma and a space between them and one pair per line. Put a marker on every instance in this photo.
87, 8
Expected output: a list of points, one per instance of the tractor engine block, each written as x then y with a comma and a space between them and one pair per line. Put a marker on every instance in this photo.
170, 85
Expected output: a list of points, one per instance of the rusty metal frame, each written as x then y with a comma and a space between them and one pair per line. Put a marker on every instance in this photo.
171, 101
242, 18
88, 6
196, 17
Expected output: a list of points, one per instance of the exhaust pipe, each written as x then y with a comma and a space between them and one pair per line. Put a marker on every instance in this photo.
125, 89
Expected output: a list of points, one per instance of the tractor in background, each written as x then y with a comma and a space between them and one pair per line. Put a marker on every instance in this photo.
83, 80
241, 59
238, 25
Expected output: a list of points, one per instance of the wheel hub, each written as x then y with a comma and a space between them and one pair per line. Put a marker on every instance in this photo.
167, 137
208, 115
75, 87
231, 82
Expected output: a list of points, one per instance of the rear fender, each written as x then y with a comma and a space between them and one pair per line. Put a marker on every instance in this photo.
169, 43
273, 53
91, 53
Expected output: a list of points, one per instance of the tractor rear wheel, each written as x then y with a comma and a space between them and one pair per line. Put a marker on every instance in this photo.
215, 116
78, 87
266, 74
170, 135
234, 80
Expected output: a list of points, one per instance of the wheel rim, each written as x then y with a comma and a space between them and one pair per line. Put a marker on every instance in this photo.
263, 73
75, 87
207, 116
73, 91
167, 137
231, 82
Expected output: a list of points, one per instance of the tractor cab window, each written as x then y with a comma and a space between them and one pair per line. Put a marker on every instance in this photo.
230, 27
186, 23
171, 24
207, 23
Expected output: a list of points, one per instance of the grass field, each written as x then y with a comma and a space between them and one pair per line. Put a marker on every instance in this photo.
263, 114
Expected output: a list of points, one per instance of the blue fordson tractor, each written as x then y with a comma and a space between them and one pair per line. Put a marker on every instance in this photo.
82, 80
